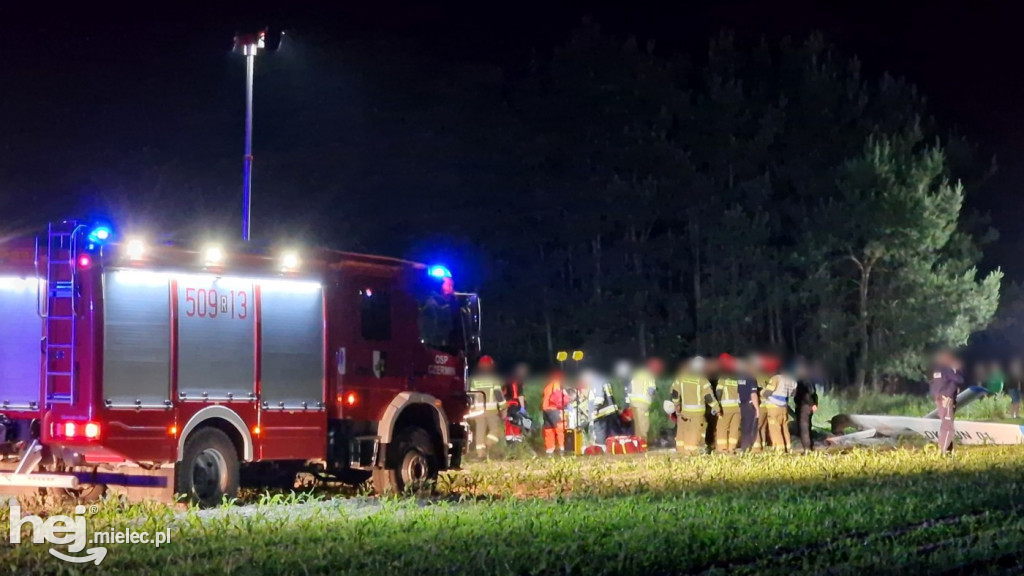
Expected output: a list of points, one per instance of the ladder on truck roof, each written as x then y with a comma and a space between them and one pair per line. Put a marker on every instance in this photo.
60, 313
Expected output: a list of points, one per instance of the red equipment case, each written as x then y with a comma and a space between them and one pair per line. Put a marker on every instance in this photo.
625, 444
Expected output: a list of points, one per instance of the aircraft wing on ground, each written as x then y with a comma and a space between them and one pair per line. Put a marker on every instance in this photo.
967, 432
963, 399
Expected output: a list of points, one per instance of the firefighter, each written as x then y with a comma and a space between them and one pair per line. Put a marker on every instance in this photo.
776, 394
488, 424
553, 402
691, 396
727, 392
640, 393
516, 400
945, 383
604, 413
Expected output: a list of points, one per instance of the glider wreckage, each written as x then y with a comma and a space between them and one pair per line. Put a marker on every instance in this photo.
874, 429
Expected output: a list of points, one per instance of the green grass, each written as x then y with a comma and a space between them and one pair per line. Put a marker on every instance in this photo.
863, 511
990, 408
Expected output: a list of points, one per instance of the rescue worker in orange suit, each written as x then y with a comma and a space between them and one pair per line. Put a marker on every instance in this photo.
488, 423
946, 381
727, 430
776, 395
552, 404
640, 393
691, 396
513, 392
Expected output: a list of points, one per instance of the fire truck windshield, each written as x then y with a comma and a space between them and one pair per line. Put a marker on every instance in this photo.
440, 323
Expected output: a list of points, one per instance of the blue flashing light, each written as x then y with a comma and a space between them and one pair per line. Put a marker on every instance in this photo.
100, 234
439, 272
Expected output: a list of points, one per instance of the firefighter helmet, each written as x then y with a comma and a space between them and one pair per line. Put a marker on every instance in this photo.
656, 366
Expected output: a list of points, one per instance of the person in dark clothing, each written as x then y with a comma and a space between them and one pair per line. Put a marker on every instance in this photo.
806, 400
946, 381
750, 405
515, 397
1014, 385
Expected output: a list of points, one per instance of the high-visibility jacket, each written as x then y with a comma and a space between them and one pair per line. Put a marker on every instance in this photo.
513, 392
490, 385
779, 390
641, 389
602, 402
691, 393
553, 397
728, 392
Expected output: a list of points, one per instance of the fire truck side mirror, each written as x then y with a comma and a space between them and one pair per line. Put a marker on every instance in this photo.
470, 305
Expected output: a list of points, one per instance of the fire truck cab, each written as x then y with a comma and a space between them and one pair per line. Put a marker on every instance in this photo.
125, 365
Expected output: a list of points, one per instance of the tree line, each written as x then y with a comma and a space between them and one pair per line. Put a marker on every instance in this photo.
768, 195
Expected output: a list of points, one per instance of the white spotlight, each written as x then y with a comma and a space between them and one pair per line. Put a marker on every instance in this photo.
135, 248
290, 261
214, 256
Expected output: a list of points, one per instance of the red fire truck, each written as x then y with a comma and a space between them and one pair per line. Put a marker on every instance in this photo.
126, 365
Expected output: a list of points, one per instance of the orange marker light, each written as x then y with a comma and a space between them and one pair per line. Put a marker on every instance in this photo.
172, 431
256, 430
351, 399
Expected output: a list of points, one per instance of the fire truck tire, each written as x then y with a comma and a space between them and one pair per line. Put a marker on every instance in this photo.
209, 470
411, 463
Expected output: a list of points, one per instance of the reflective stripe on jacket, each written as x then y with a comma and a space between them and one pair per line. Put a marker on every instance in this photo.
494, 399
602, 402
779, 390
728, 391
691, 393
641, 389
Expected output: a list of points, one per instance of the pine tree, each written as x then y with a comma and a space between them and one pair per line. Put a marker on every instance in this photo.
894, 229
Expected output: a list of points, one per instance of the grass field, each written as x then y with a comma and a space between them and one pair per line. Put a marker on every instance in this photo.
860, 512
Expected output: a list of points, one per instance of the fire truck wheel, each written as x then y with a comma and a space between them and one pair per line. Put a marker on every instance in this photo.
208, 471
411, 463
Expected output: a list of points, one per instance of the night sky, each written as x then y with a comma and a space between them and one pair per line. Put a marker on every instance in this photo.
360, 115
